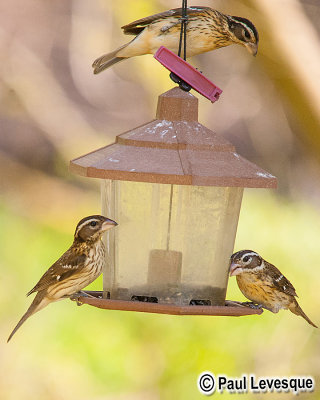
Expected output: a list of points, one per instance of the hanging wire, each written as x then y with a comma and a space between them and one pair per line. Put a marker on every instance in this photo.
183, 31
183, 39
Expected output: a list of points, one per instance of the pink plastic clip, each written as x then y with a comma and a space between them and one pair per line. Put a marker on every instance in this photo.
188, 73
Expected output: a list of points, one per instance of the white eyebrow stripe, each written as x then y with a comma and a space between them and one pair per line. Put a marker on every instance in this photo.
251, 254
241, 23
86, 223
279, 279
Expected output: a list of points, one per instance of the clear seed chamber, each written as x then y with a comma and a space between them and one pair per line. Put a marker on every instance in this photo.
173, 243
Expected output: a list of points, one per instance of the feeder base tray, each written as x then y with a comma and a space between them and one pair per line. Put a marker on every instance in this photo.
231, 308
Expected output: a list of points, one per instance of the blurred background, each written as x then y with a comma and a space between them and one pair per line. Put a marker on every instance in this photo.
54, 109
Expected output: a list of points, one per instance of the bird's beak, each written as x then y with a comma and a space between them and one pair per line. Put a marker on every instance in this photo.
108, 224
252, 48
235, 269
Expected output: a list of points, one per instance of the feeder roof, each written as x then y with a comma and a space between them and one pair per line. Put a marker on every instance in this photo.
174, 149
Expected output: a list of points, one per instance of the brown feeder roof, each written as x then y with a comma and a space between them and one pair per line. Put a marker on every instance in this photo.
174, 149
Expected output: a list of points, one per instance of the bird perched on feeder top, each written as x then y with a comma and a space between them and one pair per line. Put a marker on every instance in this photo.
263, 284
207, 30
79, 266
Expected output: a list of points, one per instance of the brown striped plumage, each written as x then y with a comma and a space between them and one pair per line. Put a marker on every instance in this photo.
80, 265
207, 30
263, 284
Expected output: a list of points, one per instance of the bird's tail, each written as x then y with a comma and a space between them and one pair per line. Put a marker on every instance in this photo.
296, 309
39, 302
107, 60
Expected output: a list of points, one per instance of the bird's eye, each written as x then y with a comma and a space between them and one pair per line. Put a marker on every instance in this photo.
247, 35
93, 223
246, 259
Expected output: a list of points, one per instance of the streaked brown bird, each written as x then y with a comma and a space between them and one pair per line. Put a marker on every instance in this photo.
80, 265
263, 284
207, 30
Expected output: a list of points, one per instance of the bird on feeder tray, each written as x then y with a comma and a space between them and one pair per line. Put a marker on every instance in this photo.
263, 284
79, 266
207, 30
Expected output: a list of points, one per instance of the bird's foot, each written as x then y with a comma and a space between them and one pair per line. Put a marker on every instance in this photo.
76, 297
252, 305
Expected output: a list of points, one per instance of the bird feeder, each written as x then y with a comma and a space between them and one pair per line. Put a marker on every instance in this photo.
175, 188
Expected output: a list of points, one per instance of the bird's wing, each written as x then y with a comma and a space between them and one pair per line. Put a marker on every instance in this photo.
67, 265
280, 281
135, 27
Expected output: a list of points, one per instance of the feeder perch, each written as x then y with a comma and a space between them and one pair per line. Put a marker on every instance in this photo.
175, 188
188, 74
